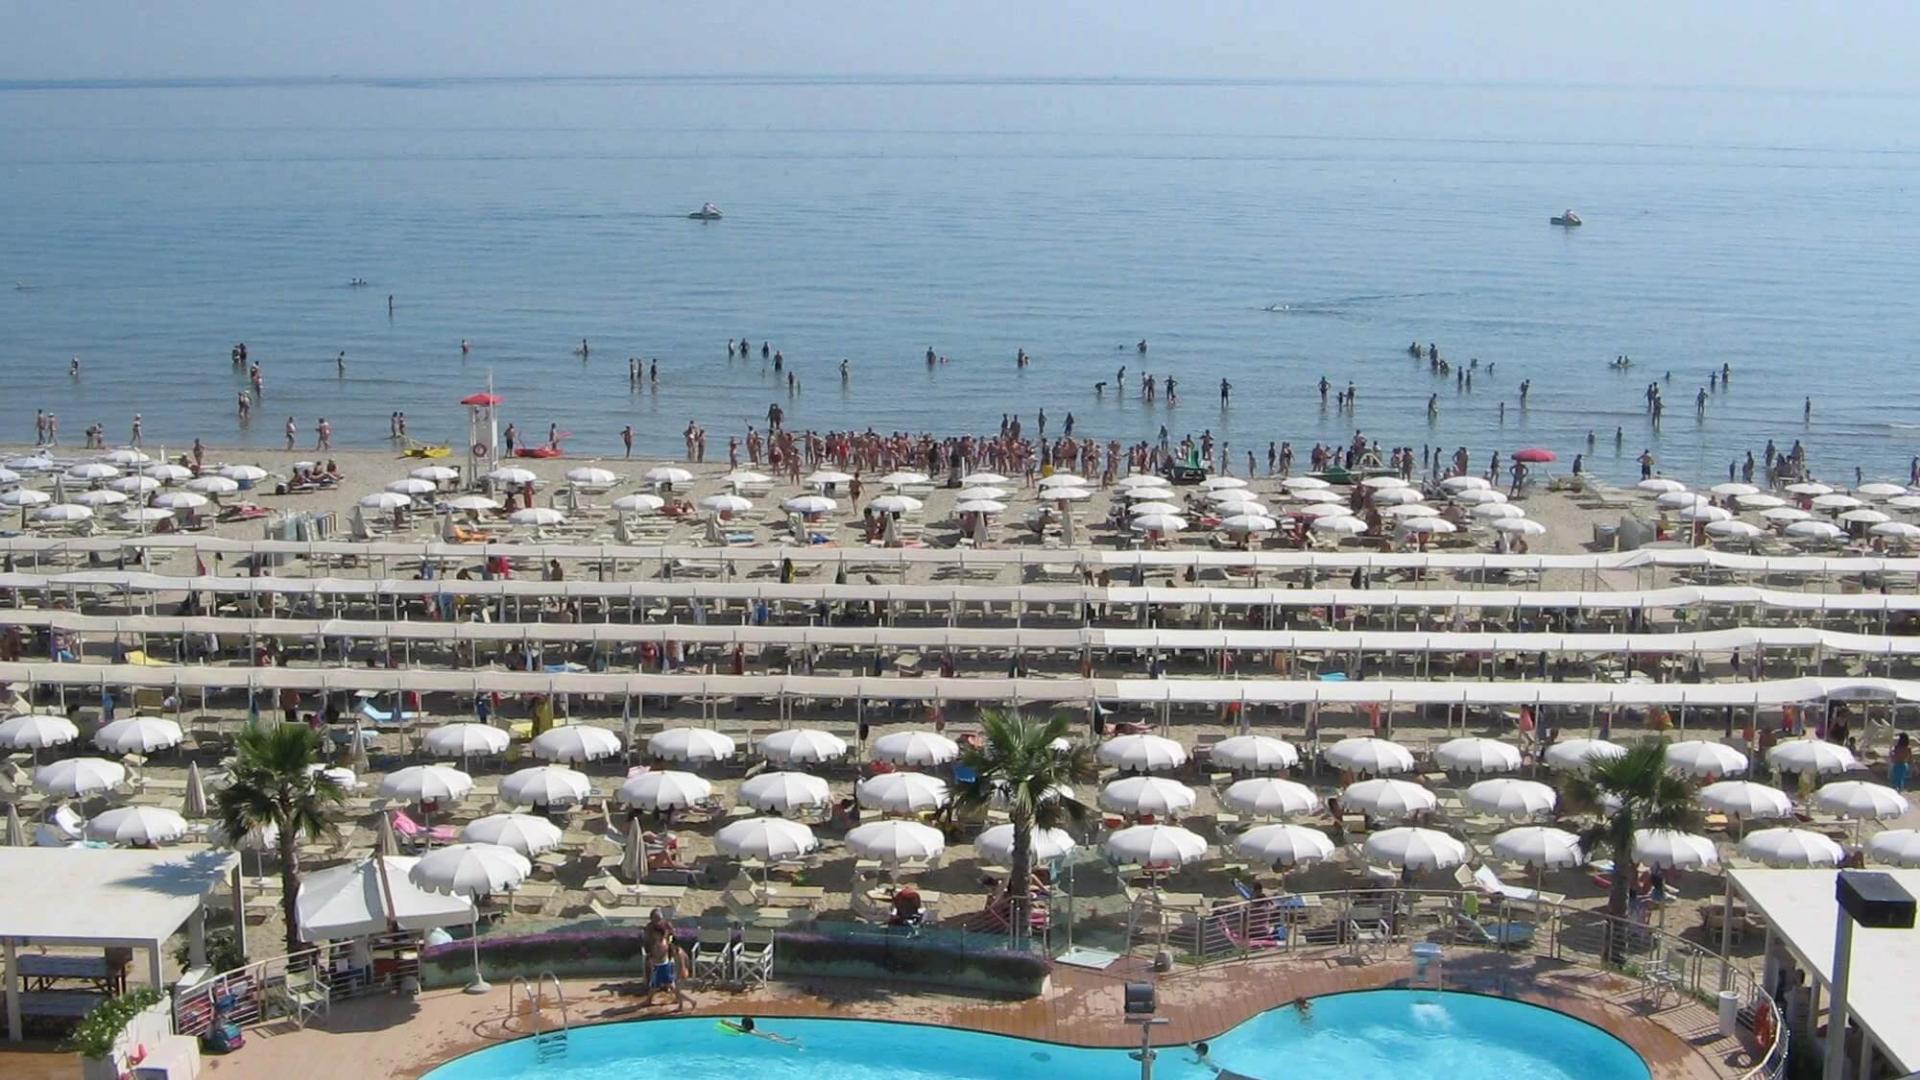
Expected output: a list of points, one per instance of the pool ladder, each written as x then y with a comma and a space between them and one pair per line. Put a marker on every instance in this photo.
550, 1044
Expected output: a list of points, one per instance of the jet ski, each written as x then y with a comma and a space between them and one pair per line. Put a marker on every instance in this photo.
1567, 219
707, 212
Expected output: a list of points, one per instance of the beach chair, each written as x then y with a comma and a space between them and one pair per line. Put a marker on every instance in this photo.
753, 957
1513, 935
1367, 929
306, 994
413, 834
713, 955
63, 827
614, 913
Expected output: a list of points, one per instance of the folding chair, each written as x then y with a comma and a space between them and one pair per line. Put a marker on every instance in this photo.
713, 955
753, 957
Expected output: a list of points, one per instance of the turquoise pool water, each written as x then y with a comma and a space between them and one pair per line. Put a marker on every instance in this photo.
1409, 1035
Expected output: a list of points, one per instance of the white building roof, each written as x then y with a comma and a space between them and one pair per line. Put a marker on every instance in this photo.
104, 896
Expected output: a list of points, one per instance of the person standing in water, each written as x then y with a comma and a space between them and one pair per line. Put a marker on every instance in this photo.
292, 430
626, 439
389, 305
340, 364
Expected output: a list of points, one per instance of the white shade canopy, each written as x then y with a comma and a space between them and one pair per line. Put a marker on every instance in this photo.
1479, 497
1520, 526
1388, 798
260, 838
245, 474
466, 739
1370, 756
1785, 513
667, 474
384, 500
1734, 530
1283, 844
438, 474
1138, 480
470, 869
1409, 510
412, 485
1339, 525
895, 840
24, 497
1659, 484
426, 783
903, 478
1159, 523
1304, 483
1671, 847
810, 504
979, 506
995, 845
1142, 753
1746, 799
1249, 523
722, 503
1679, 500
1215, 483
691, 744
1477, 755
985, 491
1895, 847
783, 792
538, 516
1834, 501
826, 476
896, 504
1861, 799
914, 748
1396, 496
1254, 753
1497, 511
769, 839
1791, 847
37, 732
527, 834
575, 742
1810, 755
1508, 797
746, 478
138, 735
128, 455
137, 825
212, 485
1147, 795
1540, 846
903, 792
372, 895
664, 789
93, 470
1157, 846
63, 512
1879, 489
591, 476
1573, 755
1734, 489
1698, 757
641, 502
512, 474
801, 745
1415, 849
545, 785
1436, 525
79, 777
1270, 796
179, 500
101, 497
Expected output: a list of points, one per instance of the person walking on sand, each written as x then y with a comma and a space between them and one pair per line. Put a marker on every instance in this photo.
626, 439
323, 435
292, 429
136, 430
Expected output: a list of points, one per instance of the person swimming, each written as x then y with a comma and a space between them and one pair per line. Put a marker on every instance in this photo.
746, 1026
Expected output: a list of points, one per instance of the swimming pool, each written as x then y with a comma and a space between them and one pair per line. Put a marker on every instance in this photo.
1408, 1034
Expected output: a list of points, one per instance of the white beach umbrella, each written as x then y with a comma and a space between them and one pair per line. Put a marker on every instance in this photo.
92, 471
995, 845
1339, 525
37, 732
1861, 799
1573, 755
544, 785
1809, 487
1659, 485
896, 504
691, 744
1159, 523
63, 512
1147, 795
1229, 495
973, 479
1370, 756
528, 834
1905, 502
667, 474
894, 841
1896, 530
1508, 797
262, 838
1734, 489
1734, 530
412, 485
1785, 514
1879, 489
513, 475
24, 497
1304, 483
1700, 757
1703, 512
1383, 482
1464, 482
1254, 753
1539, 846
134, 485
576, 742
470, 870
38, 462
1477, 755
77, 778
1155, 845
1142, 753
426, 783
8, 476
1066, 494
801, 745
1320, 496
1063, 479
1140, 480
1283, 844
1791, 847
1865, 516
168, 473
1896, 847
1479, 497
99, 497
1270, 796
1811, 755
138, 735
1834, 501
1761, 501
1522, 526
1388, 798
537, 516
137, 825
1409, 511
768, 839
664, 789
473, 503
1671, 847
144, 515
810, 504
1679, 500
1142, 509
244, 474
591, 476
783, 792
919, 748
126, 455
1497, 511
179, 500
984, 491
904, 478
641, 502
746, 478
1746, 799
438, 474
1415, 849
903, 792
1245, 524
1214, 483
821, 477
721, 504
1397, 496
1436, 525
385, 500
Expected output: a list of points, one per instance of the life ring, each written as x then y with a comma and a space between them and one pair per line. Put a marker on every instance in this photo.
1763, 1025
479, 449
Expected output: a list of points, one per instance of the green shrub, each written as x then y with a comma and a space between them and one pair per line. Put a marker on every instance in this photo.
94, 1036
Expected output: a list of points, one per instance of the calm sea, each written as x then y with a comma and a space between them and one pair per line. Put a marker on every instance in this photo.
1263, 233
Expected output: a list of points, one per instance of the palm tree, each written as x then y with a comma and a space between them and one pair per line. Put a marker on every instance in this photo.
1016, 765
1631, 792
275, 784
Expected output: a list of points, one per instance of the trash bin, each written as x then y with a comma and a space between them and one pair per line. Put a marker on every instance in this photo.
1729, 1014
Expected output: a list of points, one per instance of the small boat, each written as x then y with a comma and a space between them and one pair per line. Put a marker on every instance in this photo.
1567, 219
707, 212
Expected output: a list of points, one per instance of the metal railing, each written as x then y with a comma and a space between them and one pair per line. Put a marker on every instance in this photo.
257, 993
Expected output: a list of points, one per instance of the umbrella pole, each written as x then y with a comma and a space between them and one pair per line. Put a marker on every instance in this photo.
479, 985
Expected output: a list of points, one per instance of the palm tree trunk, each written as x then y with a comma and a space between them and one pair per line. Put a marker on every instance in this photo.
1624, 873
290, 887
1020, 901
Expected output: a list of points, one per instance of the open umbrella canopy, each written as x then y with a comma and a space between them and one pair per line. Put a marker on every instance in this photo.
1436, 526
590, 476
1142, 753
895, 841
1321, 495
545, 785
1759, 501
1534, 455
810, 504
37, 732
1834, 501
1746, 799
1512, 798
995, 845
979, 506
691, 744
1810, 755
1465, 482
1142, 509
1388, 798
896, 504
1138, 480
983, 492
664, 789
1415, 849
575, 742
1216, 483
1671, 847
134, 485
1698, 757
385, 500
904, 478
1370, 756
77, 778
722, 503
1249, 523
1785, 514
412, 485
92, 471
903, 792
920, 748
99, 498
438, 474
745, 478
470, 869
1658, 485
1574, 755
466, 739
138, 735
1679, 500
1734, 530
1159, 523
1283, 844
137, 825
1397, 496
372, 895
1304, 483
1254, 753
1339, 525
1896, 847
769, 839
641, 502
802, 745
1479, 497
63, 512
1819, 531
24, 497
244, 474
1539, 845
1269, 796
512, 475
1861, 799
1147, 795
179, 500
1497, 511
1157, 846
426, 783
667, 474
527, 834
537, 516
782, 792
1791, 847
1477, 755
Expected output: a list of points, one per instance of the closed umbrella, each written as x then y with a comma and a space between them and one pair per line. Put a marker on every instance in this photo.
1283, 845
1816, 756
195, 801
16, 835
1255, 753
1896, 847
138, 735
920, 748
1508, 797
895, 841
472, 871
903, 792
1698, 757
769, 839
465, 740
784, 792
995, 845
1671, 847
77, 778
802, 745
691, 744
665, 789
1155, 846
546, 785
1746, 799
1267, 796
1142, 753
575, 742
384, 841
525, 833
1370, 756
1791, 847
1388, 798
137, 825
1140, 795
1477, 755
1574, 755
1415, 849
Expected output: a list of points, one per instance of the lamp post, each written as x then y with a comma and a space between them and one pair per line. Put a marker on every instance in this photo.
1877, 902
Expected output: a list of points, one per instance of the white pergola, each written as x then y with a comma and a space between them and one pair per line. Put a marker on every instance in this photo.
1799, 907
104, 898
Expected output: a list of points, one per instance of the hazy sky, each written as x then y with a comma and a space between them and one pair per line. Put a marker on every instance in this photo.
1849, 44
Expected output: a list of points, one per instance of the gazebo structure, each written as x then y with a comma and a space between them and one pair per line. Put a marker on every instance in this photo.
97, 898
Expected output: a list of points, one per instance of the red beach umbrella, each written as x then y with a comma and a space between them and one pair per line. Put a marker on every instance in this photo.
1535, 455
482, 399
